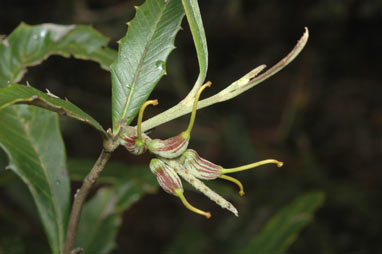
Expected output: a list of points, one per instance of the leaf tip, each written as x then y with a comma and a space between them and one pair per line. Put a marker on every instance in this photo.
302, 41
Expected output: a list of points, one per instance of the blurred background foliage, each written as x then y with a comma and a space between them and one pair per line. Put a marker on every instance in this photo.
322, 116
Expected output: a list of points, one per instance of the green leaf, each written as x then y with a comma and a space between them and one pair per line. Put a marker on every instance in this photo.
195, 22
142, 56
129, 192
30, 137
131, 182
99, 223
101, 217
20, 94
283, 228
114, 172
29, 45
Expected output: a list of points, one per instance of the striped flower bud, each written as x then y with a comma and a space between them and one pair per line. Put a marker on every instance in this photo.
169, 148
128, 138
133, 139
167, 178
199, 167
175, 146
200, 186
204, 169
171, 183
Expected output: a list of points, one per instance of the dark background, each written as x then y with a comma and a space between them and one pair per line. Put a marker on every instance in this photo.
322, 116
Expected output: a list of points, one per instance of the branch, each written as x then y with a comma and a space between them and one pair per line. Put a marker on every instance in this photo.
80, 196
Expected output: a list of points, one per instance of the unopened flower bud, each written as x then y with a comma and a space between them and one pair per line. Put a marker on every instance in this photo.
169, 148
175, 146
200, 186
199, 167
167, 178
171, 183
128, 138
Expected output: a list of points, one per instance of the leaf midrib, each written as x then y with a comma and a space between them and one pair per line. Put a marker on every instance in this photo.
55, 206
140, 64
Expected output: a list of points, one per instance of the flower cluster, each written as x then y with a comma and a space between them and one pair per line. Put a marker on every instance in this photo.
174, 160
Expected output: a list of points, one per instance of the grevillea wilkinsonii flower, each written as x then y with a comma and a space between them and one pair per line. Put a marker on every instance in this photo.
132, 139
175, 146
171, 183
204, 169
173, 158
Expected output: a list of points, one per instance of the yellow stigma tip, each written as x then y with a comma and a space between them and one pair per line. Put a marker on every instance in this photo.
207, 84
280, 164
235, 181
179, 194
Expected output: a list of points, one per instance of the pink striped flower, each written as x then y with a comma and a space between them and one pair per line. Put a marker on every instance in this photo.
129, 140
175, 146
199, 167
132, 138
169, 148
169, 180
204, 169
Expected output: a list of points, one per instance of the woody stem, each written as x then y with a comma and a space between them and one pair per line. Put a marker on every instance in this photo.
80, 197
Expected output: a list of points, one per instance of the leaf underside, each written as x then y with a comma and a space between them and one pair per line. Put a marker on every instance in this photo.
142, 56
20, 94
30, 137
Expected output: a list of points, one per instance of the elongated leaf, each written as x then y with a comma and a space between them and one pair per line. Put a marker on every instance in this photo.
283, 228
99, 223
30, 136
142, 56
17, 94
195, 22
29, 45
